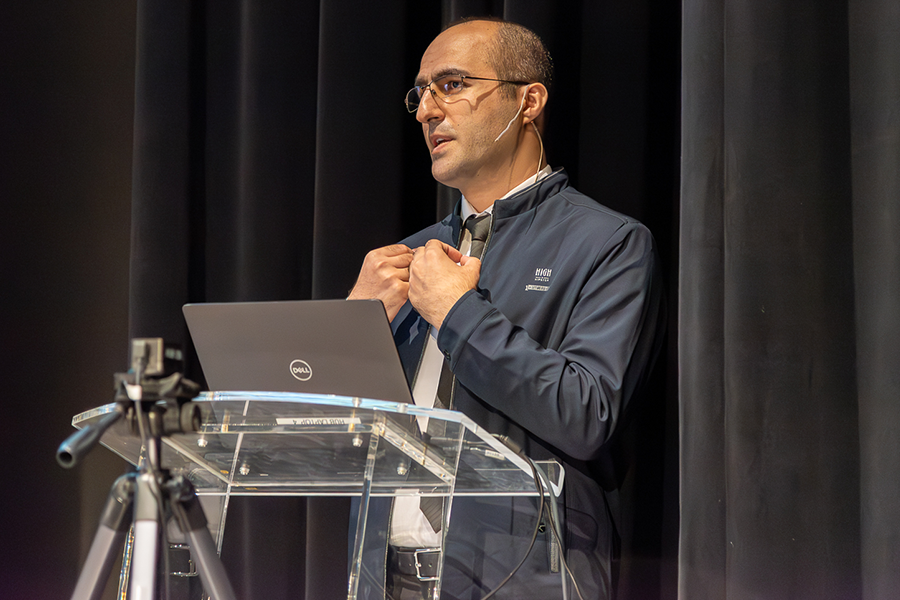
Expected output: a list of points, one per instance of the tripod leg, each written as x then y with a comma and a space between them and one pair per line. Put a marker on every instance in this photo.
114, 524
147, 512
189, 515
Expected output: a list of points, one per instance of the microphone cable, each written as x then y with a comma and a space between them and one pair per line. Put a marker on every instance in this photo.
540, 480
537, 527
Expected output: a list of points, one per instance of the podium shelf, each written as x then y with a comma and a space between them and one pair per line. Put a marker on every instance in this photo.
271, 443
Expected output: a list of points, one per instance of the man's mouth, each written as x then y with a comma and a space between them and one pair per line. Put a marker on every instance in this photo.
438, 140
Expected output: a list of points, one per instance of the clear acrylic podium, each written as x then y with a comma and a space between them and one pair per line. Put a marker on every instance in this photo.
266, 443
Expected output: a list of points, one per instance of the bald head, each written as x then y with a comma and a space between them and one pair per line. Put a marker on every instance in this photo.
514, 52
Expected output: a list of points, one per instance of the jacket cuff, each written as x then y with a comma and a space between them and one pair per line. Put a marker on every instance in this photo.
465, 316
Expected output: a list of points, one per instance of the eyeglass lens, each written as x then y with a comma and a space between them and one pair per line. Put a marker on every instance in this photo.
444, 86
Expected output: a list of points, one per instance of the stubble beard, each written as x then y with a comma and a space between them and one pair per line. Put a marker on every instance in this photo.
470, 158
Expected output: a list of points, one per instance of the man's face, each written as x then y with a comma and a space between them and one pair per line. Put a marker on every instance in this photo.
460, 132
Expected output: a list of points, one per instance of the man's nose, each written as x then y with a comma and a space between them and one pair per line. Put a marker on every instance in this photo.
428, 108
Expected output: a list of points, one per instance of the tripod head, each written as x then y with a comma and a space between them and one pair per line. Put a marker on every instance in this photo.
153, 396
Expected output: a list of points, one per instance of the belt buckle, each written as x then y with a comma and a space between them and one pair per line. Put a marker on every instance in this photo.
416, 553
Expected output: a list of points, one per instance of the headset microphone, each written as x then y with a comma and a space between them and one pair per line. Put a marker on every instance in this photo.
511, 121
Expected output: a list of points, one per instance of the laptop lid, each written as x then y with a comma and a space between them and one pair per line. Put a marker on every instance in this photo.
341, 347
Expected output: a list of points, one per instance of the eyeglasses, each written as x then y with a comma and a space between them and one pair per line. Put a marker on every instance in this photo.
445, 87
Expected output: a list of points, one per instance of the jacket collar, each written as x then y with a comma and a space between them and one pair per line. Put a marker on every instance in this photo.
525, 200
531, 196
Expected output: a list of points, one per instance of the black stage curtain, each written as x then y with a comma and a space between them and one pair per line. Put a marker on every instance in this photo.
788, 298
272, 151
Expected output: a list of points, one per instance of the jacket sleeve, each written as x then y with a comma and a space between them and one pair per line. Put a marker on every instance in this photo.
573, 395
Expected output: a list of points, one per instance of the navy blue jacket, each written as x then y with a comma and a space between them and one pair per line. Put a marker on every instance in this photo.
549, 350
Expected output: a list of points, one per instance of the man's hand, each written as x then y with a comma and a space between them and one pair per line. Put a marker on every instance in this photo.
385, 275
436, 281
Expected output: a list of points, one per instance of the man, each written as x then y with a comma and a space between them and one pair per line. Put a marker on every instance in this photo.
548, 335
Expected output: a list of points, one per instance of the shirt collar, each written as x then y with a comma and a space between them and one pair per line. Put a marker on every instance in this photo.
466, 209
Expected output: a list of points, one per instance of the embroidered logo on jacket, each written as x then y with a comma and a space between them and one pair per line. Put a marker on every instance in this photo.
541, 277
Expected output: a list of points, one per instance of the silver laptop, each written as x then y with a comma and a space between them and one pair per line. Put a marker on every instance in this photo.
341, 347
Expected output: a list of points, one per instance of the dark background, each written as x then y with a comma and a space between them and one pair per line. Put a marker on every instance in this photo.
66, 117
155, 153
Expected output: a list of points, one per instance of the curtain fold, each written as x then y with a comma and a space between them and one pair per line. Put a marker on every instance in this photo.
160, 230
788, 300
360, 115
701, 559
275, 162
875, 143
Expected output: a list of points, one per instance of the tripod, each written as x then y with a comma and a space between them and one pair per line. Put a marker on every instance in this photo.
155, 407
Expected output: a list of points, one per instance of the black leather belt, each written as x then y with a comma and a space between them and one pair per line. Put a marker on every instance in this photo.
421, 563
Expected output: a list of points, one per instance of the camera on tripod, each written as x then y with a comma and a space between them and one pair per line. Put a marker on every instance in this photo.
155, 378
154, 357
154, 386
154, 398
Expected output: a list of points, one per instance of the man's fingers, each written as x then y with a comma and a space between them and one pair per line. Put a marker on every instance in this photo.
396, 249
437, 249
435, 244
385, 275
470, 262
454, 254
400, 261
397, 256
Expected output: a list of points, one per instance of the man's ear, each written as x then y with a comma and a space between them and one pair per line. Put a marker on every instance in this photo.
535, 101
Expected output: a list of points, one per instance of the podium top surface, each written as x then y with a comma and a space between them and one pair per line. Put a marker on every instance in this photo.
268, 443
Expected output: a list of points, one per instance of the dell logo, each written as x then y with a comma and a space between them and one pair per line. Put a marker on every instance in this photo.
301, 370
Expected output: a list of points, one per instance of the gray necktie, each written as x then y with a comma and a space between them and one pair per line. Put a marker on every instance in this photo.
479, 227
